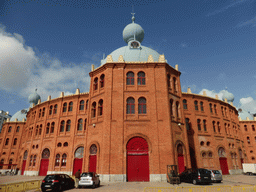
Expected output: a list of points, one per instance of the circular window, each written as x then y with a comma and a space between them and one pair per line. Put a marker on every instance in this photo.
210, 154
253, 158
33, 146
59, 145
251, 151
229, 145
201, 143
12, 153
203, 154
65, 144
208, 143
4, 153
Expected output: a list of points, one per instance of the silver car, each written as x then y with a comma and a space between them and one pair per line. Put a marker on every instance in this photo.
216, 176
89, 179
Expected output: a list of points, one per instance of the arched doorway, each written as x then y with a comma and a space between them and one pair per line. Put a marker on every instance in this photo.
24, 162
44, 162
223, 161
93, 158
241, 157
137, 160
181, 163
78, 161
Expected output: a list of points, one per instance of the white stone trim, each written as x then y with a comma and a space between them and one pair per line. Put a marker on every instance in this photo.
157, 177
235, 171
31, 173
112, 178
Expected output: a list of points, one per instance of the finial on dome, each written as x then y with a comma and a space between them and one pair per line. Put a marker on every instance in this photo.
133, 18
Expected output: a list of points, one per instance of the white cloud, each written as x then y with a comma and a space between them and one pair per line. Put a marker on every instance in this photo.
212, 93
22, 70
251, 22
248, 104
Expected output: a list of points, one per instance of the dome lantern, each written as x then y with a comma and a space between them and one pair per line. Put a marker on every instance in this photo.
33, 98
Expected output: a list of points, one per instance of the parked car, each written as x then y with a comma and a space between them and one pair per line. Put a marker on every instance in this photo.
89, 179
57, 182
216, 176
196, 176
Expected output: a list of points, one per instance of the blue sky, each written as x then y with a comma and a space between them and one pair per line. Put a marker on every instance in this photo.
50, 45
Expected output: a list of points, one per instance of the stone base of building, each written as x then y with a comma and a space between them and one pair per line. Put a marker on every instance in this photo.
235, 171
31, 173
157, 177
122, 178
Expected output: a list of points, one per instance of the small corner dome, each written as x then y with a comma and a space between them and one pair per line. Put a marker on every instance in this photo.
230, 97
34, 97
20, 115
244, 114
131, 30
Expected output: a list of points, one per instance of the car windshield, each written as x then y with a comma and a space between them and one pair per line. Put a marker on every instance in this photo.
50, 177
87, 174
216, 172
204, 171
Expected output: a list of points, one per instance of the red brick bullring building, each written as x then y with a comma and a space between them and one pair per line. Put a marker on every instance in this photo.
134, 121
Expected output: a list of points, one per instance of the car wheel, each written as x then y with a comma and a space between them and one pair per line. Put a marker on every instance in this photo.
194, 182
218, 181
93, 185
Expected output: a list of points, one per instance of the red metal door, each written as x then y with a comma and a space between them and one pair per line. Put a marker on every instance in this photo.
92, 163
181, 163
23, 167
224, 165
138, 167
44, 167
78, 164
137, 160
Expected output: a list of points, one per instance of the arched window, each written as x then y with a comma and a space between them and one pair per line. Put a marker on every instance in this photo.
141, 78
171, 107
48, 128
100, 107
31, 160
86, 107
80, 125
248, 140
1, 163
94, 109
215, 109
43, 112
15, 141
62, 126
168, 80
18, 129
85, 121
130, 78
59, 144
210, 107
95, 84
177, 109
185, 106
93, 149
36, 130
202, 106
34, 160
39, 114
10, 129
199, 124
213, 125
55, 109
7, 141
102, 77
187, 124
204, 124
68, 126
40, 130
46, 153
253, 128
64, 160
196, 105
65, 144
57, 160
52, 127
225, 125
174, 84
79, 152
10, 164
81, 106
50, 111
245, 127
142, 106
130, 106
64, 107
70, 106
219, 128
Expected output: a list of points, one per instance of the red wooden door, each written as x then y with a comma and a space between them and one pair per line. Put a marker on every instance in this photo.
181, 163
78, 164
92, 163
224, 165
23, 167
44, 167
138, 167
137, 160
